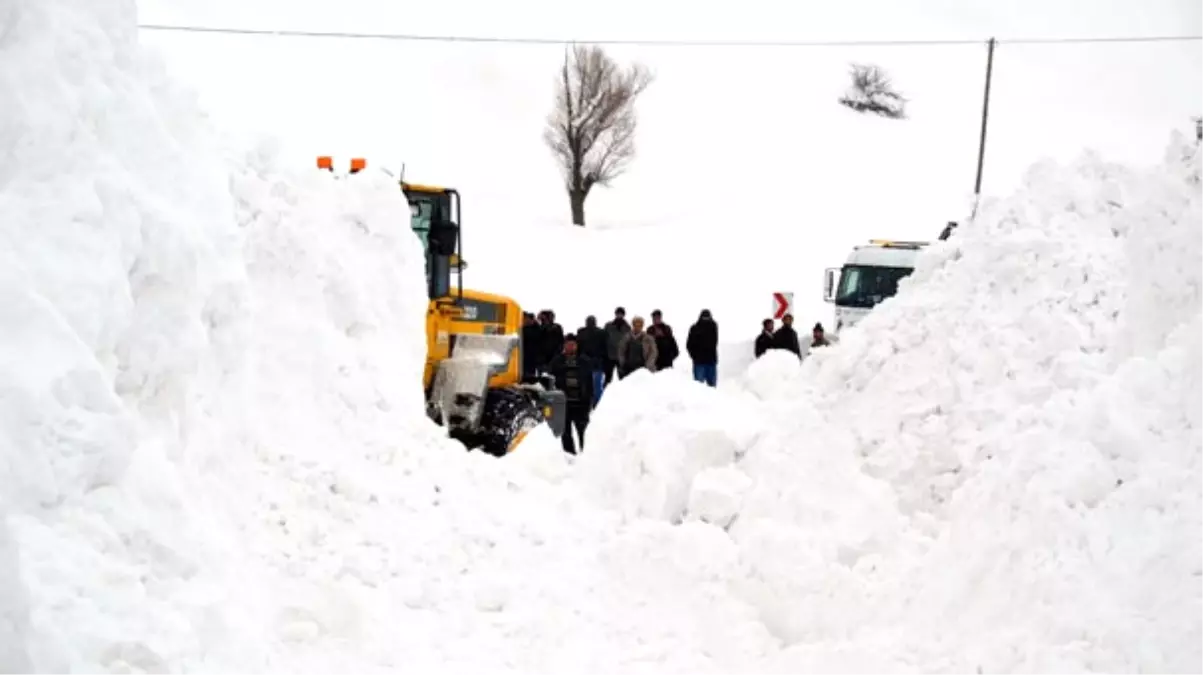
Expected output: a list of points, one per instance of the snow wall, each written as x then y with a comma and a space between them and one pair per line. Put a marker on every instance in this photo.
213, 454
998, 470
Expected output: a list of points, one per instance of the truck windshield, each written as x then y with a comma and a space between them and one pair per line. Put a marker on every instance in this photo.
864, 286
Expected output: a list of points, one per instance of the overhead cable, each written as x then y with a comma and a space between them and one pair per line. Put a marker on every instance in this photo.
411, 37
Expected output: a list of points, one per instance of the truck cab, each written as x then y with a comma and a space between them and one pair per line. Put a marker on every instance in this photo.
869, 276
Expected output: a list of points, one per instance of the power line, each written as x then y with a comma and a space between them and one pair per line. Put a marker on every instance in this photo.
551, 41
1098, 40
408, 37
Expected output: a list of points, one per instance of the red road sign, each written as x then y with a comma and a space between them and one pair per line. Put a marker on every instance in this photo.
783, 304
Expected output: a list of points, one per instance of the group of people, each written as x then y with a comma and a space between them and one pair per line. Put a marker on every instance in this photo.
786, 337
585, 362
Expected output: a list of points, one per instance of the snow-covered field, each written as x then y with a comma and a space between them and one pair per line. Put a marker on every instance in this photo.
213, 454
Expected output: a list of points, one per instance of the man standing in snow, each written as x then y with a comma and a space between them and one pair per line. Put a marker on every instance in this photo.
574, 376
532, 346
667, 350
764, 341
702, 345
786, 337
553, 335
615, 331
636, 350
591, 341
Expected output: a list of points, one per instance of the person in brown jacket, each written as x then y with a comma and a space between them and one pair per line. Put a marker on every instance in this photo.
636, 350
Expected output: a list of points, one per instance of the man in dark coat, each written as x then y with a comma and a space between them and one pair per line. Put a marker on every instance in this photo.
553, 335
591, 343
615, 331
786, 337
667, 350
702, 345
764, 341
573, 373
532, 346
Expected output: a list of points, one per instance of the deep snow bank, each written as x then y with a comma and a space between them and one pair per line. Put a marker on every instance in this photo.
115, 251
184, 353
997, 470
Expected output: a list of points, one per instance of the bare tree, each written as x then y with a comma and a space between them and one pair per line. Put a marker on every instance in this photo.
871, 91
1198, 120
591, 130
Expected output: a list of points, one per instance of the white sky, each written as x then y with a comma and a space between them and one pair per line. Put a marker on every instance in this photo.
738, 143
1048, 100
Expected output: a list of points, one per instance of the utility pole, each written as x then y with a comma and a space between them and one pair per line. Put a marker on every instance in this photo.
981, 148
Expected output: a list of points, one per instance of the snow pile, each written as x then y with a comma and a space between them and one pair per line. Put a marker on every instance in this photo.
1001, 332
115, 276
201, 378
670, 429
997, 470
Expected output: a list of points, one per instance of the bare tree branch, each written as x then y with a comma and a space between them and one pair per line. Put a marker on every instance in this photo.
591, 129
871, 91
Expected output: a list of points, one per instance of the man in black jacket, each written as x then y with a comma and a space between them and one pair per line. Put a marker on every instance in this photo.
591, 343
532, 346
553, 335
574, 376
764, 341
615, 331
702, 345
786, 337
667, 350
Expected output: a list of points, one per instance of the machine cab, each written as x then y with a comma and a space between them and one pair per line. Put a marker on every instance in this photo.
435, 217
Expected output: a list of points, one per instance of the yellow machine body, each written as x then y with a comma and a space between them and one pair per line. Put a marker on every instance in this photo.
446, 319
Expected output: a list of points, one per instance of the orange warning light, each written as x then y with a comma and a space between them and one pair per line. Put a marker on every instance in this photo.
358, 164
326, 163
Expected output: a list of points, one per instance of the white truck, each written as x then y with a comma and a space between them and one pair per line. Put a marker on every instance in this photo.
869, 276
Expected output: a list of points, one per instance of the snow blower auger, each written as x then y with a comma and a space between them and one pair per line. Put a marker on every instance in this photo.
473, 377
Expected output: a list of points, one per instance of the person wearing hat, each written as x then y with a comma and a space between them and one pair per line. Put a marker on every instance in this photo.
573, 373
817, 337
615, 331
702, 345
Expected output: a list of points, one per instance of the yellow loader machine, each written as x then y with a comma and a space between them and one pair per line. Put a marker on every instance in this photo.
473, 378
